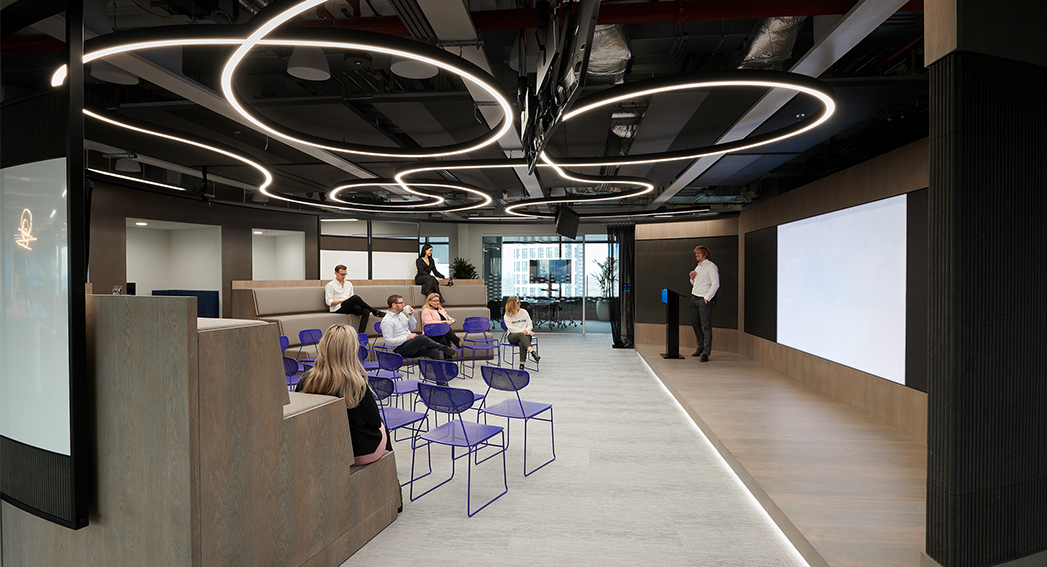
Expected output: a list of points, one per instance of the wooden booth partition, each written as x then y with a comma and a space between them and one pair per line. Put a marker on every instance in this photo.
202, 456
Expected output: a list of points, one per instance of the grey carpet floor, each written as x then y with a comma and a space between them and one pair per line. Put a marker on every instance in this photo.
634, 482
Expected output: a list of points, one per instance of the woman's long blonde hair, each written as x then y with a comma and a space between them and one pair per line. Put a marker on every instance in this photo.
430, 298
512, 306
337, 371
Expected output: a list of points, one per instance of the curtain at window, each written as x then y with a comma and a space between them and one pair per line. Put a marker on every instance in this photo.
623, 307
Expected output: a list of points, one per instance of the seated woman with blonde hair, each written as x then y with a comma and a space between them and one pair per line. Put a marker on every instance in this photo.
519, 327
433, 312
338, 372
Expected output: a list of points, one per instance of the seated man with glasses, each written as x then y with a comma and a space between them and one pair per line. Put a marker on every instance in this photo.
396, 330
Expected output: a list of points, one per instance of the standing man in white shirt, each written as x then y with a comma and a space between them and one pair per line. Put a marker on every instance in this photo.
397, 335
338, 294
705, 281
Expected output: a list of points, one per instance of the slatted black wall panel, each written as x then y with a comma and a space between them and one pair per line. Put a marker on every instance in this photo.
665, 264
33, 128
916, 291
761, 283
987, 380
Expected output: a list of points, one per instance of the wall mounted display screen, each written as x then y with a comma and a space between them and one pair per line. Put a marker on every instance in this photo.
842, 287
34, 335
550, 271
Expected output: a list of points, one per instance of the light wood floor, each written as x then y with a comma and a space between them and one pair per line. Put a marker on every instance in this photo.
846, 489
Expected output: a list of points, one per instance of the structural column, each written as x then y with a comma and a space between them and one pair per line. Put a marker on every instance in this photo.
987, 380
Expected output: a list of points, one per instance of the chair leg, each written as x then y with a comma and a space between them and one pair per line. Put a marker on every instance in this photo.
552, 442
469, 485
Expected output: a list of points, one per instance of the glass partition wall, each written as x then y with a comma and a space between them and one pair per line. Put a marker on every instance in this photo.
560, 281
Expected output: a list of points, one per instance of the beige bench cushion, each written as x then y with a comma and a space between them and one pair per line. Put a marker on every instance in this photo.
464, 295
377, 295
280, 300
290, 325
301, 403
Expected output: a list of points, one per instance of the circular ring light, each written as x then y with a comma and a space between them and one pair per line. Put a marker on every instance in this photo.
408, 207
184, 139
331, 38
361, 41
335, 38
692, 81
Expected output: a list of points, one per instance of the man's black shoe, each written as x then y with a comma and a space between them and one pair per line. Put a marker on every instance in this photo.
378, 313
705, 358
535, 356
697, 353
449, 353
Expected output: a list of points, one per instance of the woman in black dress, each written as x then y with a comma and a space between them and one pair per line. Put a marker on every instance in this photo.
427, 272
338, 372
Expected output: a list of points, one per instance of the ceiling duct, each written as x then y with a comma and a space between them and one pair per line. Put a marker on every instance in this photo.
625, 123
609, 56
414, 19
773, 43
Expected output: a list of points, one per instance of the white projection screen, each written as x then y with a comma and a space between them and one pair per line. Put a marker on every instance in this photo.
841, 287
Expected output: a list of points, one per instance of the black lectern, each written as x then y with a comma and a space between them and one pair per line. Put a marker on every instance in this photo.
671, 299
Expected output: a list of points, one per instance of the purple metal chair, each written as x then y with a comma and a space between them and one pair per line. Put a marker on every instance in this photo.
293, 371
437, 331
389, 364
374, 342
455, 433
395, 418
509, 380
308, 337
478, 342
369, 365
285, 343
440, 372
505, 344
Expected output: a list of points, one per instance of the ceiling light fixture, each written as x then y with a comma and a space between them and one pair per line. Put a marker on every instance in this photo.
412, 189
127, 165
375, 43
412, 69
308, 64
398, 48
265, 173
694, 81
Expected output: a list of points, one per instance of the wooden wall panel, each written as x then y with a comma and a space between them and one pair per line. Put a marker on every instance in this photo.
239, 413
688, 229
894, 173
139, 351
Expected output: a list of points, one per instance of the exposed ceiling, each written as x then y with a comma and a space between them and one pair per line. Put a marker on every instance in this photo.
868, 52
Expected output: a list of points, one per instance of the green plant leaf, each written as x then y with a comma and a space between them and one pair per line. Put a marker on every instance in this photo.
462, 269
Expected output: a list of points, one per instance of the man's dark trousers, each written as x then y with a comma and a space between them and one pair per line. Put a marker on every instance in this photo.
702, 322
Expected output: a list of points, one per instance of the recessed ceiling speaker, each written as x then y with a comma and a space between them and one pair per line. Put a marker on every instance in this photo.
309, 64
358, 60
411, 69
105, 71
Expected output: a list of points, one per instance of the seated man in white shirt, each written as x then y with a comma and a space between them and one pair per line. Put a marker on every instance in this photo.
338, 294
396, 332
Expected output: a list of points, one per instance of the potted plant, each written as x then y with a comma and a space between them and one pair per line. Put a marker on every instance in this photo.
462, 269
607, 277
